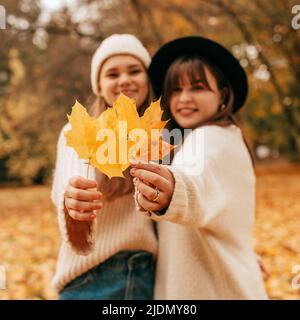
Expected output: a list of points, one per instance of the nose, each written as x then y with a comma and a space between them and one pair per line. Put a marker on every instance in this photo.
124, 79
184, 96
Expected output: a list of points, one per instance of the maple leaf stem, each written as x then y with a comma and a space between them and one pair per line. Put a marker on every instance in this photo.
88, 168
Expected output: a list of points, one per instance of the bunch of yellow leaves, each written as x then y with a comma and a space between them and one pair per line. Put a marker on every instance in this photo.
117, 135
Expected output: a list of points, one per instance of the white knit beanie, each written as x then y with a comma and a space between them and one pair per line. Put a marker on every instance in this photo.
114, 45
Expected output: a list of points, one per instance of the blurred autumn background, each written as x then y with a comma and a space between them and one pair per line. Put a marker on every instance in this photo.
45, 54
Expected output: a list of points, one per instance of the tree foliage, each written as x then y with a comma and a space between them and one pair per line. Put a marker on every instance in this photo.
45, 66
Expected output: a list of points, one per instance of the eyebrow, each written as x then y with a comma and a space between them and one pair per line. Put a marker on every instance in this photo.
135, 65
129, 67
198, 81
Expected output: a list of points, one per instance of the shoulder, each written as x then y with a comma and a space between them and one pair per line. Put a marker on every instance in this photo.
65, 128
217, 135
218, 143
204, 144
213, 139
227, 148
62, 143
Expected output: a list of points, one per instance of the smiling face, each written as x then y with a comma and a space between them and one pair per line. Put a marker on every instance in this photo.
193, 103
126, 74
192, 93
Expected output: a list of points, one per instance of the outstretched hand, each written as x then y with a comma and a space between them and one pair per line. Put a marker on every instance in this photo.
154, 185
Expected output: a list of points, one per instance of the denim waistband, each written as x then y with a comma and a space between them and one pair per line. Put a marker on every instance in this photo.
127, 275
127, 258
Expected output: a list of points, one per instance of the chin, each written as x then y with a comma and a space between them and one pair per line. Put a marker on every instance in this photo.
188, 125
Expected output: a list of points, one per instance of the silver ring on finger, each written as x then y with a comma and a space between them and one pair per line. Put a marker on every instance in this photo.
156, 196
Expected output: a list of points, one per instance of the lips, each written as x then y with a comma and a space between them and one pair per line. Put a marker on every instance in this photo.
186, 111
128, 93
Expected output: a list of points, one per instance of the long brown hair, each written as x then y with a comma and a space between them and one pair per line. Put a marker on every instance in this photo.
115, 187
194, 67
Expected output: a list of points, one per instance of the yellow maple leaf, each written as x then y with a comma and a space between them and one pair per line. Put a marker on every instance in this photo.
82, 135
152, 147
152, 117
157, 149
115, 122
126, 110
117, 135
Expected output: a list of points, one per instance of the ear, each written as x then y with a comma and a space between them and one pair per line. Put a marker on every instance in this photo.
99, 90
98, 84
224, 94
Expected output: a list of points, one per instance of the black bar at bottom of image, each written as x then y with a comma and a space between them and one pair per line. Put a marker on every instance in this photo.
183, 309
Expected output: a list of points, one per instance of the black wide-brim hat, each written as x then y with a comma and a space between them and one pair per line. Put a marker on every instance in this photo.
208, 49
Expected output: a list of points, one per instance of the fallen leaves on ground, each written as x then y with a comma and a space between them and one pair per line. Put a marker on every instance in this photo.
29, 237
277, 236
29, 242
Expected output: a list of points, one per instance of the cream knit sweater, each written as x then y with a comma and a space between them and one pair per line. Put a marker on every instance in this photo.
205, 236
117, 227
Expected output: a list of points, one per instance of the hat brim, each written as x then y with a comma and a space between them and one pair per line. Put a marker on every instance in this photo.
208, 49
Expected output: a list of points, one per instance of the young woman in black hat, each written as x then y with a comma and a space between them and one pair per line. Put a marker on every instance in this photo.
204, 201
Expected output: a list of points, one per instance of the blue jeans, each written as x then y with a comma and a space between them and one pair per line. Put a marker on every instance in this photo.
128, 275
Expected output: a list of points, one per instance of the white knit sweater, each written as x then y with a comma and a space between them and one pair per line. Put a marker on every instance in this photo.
117, 227
205, 236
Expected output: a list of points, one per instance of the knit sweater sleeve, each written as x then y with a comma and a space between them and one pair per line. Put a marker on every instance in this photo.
203, 194
197, 199
79, 235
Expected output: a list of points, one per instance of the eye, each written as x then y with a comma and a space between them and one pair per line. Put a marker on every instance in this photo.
112, 75
177, 89
198, 86
135, 71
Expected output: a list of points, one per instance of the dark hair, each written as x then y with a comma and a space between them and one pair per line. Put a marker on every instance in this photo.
194, 67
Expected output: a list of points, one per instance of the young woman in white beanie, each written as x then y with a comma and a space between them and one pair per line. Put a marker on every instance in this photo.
111, 254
